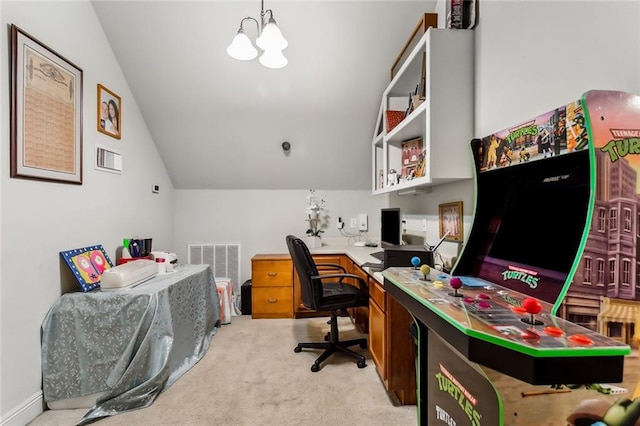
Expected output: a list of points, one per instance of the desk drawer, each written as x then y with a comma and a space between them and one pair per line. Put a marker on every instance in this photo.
377, 293
270, 273
272, 302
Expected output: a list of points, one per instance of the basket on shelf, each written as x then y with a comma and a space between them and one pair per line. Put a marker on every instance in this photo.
394, 118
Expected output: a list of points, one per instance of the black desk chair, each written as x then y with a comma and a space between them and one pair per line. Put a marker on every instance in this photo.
327, 292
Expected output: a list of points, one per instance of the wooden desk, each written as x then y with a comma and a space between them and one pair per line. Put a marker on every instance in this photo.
277, 295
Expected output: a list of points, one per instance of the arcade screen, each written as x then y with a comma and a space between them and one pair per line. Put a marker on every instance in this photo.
528, 226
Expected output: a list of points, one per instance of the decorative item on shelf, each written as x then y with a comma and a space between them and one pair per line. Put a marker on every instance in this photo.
392, 177
270, 41
461, 14
412, 152
427, 21
317, 218
394, 118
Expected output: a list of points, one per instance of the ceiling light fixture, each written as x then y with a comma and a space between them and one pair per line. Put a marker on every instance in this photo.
270, 41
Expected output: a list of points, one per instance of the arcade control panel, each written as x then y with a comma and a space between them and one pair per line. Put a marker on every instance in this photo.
505, 330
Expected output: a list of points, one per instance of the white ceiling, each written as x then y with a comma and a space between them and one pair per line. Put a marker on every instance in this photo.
219, 123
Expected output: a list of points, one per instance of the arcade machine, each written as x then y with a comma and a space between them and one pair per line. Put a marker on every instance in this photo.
492, 348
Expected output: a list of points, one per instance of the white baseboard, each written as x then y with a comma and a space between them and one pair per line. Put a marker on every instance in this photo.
24, 413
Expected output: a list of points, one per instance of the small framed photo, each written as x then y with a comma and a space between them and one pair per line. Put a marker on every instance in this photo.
46, 113
450, 220
109, 112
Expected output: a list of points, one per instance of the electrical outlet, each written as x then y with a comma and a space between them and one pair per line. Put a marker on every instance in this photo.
353, 222
424, 225
363, 224
340, 223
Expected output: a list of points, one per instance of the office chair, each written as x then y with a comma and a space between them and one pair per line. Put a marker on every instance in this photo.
327, 292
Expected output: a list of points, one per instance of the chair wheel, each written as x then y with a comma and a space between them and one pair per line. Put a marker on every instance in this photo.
361, 363
326, 338
315, 368
297, 349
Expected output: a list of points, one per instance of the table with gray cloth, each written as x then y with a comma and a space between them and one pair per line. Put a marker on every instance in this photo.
127, 346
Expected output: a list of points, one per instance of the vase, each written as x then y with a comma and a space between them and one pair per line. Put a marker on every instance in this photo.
313, 242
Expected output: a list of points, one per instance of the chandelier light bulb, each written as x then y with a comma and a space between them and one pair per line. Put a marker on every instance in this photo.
241, 47
271, 37
273, 58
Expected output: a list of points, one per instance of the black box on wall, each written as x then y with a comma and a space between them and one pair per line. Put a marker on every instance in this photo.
245, 298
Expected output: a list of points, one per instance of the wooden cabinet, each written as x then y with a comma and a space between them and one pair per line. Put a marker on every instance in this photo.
276, 294
271, 282
441, 63
377, 328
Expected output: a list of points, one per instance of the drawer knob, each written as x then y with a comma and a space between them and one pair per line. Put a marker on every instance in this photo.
272, 300
272, 274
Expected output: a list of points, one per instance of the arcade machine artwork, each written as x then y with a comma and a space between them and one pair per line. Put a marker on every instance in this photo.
503, 320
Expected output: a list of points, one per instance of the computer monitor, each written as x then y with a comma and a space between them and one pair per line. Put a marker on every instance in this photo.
390, 227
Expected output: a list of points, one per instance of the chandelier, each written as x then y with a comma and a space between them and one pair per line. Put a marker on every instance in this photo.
269, 40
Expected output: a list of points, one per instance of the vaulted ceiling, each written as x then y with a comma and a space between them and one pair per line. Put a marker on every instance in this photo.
219, 123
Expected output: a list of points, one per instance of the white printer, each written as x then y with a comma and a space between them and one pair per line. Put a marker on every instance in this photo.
128, 274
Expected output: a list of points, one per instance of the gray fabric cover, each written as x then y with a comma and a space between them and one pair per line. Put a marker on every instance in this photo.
131, 343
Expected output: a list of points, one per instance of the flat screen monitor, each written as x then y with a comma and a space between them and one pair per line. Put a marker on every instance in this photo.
390, 227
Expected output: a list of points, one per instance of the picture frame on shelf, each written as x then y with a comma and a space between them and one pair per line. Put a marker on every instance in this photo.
109, 112
46, 113
450, 220
413, 154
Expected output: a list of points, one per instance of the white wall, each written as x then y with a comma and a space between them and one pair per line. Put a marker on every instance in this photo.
40, 219
260, 220
533, 56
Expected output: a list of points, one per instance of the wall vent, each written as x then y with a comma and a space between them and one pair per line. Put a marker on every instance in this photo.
224, 260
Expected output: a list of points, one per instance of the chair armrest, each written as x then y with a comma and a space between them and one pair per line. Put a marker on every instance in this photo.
331, 266
358, 278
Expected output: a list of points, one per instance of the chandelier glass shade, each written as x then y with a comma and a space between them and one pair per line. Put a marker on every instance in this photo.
270, 41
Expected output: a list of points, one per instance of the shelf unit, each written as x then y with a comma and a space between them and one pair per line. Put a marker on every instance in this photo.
444, 120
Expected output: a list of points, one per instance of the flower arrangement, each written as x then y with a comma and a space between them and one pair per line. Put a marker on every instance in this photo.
316, 215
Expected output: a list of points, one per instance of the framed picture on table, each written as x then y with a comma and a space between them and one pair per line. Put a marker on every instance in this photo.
46, 113
109, 112
450, 220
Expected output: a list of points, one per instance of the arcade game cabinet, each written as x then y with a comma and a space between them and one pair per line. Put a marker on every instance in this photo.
494, 346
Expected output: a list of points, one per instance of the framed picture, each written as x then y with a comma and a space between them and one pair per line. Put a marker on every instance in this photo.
109, 112
87, 265
450, 220
46, 113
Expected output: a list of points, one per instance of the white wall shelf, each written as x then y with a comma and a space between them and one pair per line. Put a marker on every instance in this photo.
444, 120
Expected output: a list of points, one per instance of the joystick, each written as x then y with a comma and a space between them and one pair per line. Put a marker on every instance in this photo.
532, 307
455, 284
415, 261
424, 270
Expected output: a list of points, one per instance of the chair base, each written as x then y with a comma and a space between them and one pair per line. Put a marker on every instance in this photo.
334, 344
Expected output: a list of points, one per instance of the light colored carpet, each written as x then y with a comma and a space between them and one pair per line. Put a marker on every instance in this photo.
251, 376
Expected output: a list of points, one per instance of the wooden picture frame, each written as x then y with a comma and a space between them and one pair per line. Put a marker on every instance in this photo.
450, 219
46, 113
109, 112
